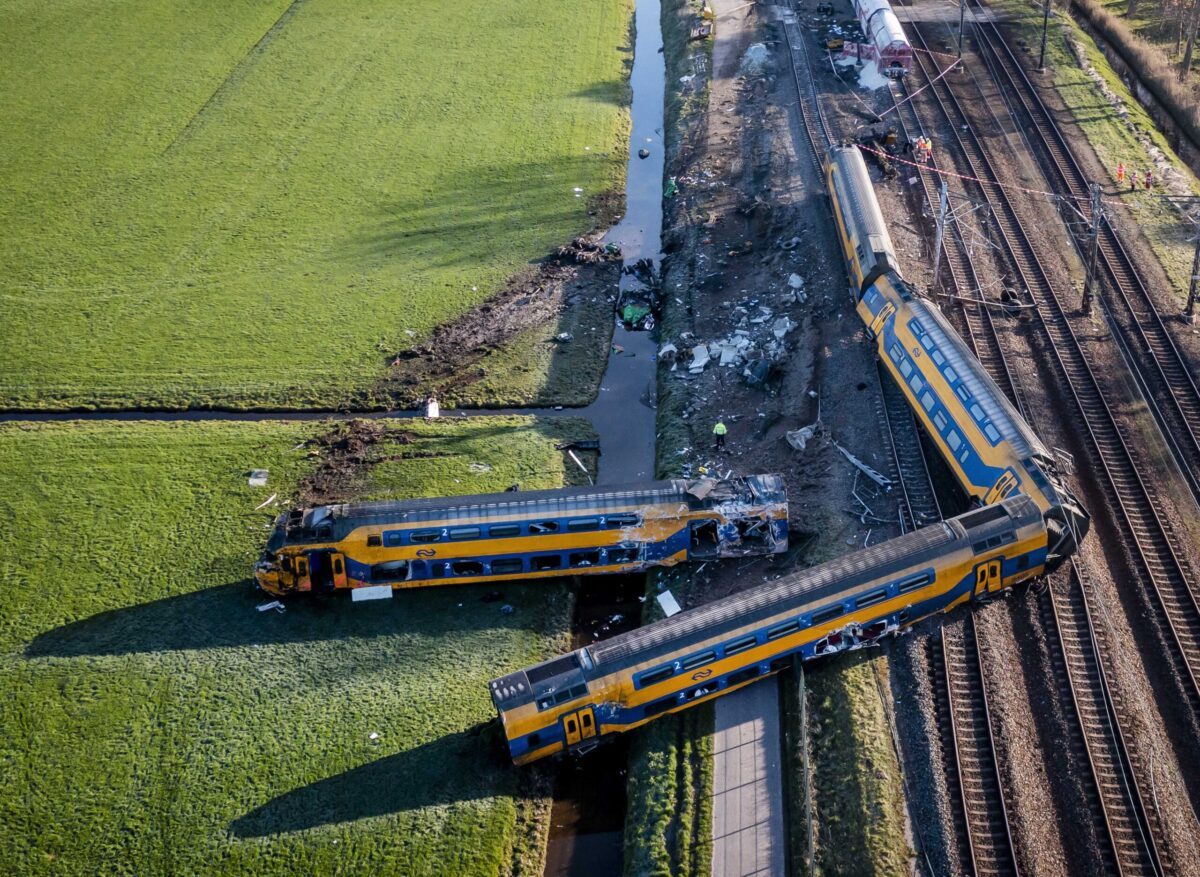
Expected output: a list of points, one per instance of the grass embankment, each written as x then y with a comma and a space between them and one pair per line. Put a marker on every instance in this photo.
1132, 139
253, 204
155, 723
857, 790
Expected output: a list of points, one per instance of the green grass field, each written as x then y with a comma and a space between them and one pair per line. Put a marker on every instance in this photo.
252, 203
154, 722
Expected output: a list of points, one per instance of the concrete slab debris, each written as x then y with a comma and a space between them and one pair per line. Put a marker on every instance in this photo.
799, 438
795, 281
670, 606
700, 358
258, 477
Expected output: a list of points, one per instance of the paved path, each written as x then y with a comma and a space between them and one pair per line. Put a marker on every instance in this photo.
748, 829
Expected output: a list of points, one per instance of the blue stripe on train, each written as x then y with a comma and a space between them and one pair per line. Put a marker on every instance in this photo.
616, 716
423, 569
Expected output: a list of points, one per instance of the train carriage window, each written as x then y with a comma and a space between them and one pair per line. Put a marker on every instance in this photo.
977, 412
393, 538
504, 531
584, 558
917, 328
871, 598
420, 537
781, 630
916, 383
927, 342
624, 555
544, 527
896, 352
981, 516
993, 542
927, 400
953, 440
374, 540
912, 583
951, 374
458, 534
963, 393
700, 691
992, 433
650, 677
906, 368
658, 707
616, 522
827, 614
546, 561
534, 740
740, 645
572, 693
467, 568
507, 566
965, 455
939, 420
698, 660
743, 675
392, 571
938, 358
579, 525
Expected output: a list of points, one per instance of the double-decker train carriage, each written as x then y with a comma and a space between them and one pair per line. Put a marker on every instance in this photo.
377, 547
568, 704
885, 36
989, 447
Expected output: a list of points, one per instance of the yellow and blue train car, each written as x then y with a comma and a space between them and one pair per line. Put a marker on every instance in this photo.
522, 535
991, 450
570, 703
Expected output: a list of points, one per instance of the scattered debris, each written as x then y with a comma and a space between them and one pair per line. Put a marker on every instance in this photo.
670, 606
267, 501
374, 735
564, 337
795, 281
479, 468
643, 153
274, 604
700, 359
258, 477
799, 438
756, 58
506, 609
879, 478
587, 251
781, 327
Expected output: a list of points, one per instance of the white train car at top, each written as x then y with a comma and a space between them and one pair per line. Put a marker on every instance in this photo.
883, 32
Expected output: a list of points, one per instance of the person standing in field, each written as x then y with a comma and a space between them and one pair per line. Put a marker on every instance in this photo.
719, 431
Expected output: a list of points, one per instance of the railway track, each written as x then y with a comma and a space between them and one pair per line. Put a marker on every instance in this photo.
812, 116
1156, 555
1135, 841
1139, 328
960, 696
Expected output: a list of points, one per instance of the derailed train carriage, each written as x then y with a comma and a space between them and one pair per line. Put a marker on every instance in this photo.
885, 36
989, 447
571, 703
1028, 523
376, 547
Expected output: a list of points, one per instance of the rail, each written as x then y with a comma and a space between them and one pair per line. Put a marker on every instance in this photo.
1146, 343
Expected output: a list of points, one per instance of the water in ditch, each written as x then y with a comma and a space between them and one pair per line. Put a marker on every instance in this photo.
587, 819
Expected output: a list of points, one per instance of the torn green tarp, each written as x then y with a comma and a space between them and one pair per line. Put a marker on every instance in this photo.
634, 312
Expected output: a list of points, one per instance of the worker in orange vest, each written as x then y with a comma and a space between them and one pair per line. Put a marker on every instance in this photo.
1120, 172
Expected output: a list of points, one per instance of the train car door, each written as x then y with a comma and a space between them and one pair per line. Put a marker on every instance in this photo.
579, 725
880, 318
987, 579
1004, 485
337, 565
303, 583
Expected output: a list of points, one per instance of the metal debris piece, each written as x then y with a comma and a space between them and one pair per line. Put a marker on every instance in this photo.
799, 438
670, 606
258, 477
879, 478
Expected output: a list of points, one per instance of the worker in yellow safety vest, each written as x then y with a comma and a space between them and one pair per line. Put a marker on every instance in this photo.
719, 431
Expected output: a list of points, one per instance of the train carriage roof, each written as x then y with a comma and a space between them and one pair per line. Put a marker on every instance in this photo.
858, 195
820, 582
698, 494
995, 404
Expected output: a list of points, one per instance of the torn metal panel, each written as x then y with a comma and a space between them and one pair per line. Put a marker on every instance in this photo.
878, 477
